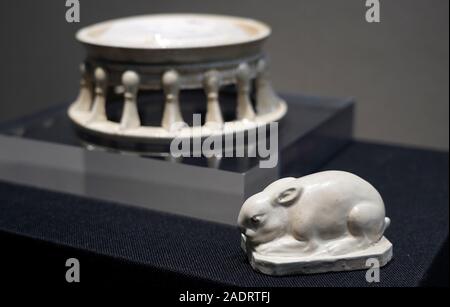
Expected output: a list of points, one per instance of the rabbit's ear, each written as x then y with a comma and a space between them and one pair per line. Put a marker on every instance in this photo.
279, 184
288, 196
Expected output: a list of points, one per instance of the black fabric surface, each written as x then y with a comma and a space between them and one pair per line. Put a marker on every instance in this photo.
117, 243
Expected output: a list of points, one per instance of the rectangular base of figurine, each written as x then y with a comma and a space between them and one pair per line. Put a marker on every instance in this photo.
44, 151
377, 255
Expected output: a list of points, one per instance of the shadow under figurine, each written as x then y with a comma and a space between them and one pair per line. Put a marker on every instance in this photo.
328, 221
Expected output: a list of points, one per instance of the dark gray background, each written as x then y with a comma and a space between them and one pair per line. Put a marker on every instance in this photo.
397, 69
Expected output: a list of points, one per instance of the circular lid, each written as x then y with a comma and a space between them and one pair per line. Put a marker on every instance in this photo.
174, 39
174, 31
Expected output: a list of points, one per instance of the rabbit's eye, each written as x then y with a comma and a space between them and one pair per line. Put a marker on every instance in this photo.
255, 220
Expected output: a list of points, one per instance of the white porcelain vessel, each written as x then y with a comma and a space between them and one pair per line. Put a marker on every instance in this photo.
328, 221
171, 54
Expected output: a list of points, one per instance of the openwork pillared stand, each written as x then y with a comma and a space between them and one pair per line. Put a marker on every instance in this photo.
203, 66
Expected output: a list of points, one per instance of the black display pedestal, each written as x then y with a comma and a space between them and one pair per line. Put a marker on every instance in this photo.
119, 245
44, 151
